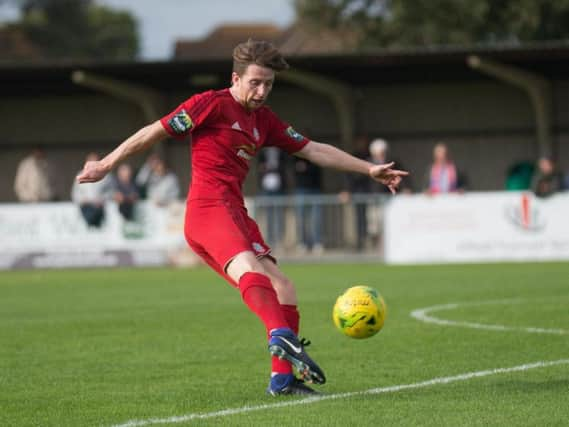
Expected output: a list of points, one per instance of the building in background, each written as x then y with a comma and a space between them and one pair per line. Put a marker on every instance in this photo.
292, 41
413, 98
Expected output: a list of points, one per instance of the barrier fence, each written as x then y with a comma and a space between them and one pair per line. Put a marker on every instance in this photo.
406, 229
477, 227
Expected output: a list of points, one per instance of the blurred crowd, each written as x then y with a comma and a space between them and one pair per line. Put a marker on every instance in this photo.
154, 181
278, 175
441, 175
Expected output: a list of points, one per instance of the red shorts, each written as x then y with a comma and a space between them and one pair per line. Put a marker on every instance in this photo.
218, 230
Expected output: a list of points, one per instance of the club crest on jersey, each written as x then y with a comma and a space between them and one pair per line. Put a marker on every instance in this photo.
257, 247
181, 122
294, 134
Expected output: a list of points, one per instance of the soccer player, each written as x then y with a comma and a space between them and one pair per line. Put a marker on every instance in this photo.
228, 127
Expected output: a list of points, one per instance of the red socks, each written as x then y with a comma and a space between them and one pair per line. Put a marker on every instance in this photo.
292, 317
261, 298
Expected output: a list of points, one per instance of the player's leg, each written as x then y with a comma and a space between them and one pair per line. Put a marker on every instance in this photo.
282, 379
221, 234
286, 292
232, 248
286, 295
255, 299
261, 296
281, 369
254, 280
256, 289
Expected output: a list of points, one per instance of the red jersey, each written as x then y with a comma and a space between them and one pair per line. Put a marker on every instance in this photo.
225, 139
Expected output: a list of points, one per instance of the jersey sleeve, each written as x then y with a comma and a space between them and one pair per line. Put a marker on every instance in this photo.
283, 136
190, 114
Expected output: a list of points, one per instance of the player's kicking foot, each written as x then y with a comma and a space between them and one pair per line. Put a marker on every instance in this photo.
284, 344
288, 384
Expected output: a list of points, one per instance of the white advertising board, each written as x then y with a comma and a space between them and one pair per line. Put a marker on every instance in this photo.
476, 227
55, 235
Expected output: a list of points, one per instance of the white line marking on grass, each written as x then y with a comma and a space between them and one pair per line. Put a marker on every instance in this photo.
423, 314
381, 390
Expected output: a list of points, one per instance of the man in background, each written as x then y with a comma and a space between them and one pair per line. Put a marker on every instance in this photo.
125, 192
34, 178
309, 220
91, 197
272, 182
368, 212
547, 179
162, 187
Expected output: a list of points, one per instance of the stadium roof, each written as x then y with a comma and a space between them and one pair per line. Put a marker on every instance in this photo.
440, 64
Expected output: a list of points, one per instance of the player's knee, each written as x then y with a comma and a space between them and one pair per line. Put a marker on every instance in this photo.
244, 263
254, 266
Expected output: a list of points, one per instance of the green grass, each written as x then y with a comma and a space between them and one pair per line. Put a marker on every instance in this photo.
97, 348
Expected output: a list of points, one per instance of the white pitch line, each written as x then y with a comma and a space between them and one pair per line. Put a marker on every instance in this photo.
315, 399
422, 314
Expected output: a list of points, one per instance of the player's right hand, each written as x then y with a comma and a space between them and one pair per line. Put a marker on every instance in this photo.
93, 171
387, 176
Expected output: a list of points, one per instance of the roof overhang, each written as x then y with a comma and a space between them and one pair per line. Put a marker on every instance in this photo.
441, 64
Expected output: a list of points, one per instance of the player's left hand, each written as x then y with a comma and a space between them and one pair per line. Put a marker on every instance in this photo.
387, 176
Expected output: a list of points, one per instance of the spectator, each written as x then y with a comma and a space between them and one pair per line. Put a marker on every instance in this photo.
272, 182
126, 192
91, 197
34, 178
359, 184
547, 180
308, 183
378, 155
378, 150
443, 175
163, 186
368, 217
145, 173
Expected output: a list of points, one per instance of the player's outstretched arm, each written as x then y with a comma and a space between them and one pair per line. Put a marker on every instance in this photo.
140, 141
328, 156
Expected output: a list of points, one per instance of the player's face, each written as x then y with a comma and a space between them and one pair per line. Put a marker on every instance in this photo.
253, 87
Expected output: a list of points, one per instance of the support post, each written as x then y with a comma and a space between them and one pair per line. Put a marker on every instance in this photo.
537, 88
148, 100
340, 94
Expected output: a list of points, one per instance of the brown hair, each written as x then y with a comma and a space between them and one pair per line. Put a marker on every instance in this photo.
257, 52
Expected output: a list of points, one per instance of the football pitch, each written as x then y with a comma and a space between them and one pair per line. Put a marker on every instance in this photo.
463, 345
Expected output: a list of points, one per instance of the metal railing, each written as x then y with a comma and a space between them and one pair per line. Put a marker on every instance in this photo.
301, 225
